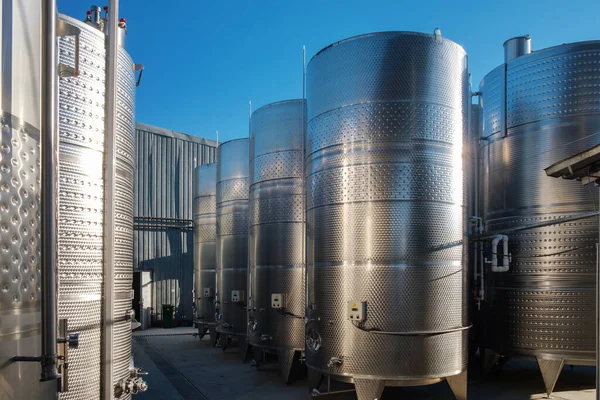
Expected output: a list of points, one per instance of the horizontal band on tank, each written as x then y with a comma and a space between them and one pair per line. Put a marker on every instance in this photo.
382, 33
232, 269
20, 332
394, 201
29, 307
379, 264
436, 379
17, 124
342, 126
417, 333
288, 222
278, 266
80, 297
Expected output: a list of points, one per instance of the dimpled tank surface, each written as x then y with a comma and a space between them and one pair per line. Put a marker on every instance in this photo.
205, 232
385, 216
232, 237
545, 305
276, 236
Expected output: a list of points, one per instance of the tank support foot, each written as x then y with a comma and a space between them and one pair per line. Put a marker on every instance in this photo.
550, 370
244, 348
213, 335
223, 341
490, 359
286, 360
201, 331
368, 389
458, 385
314, 379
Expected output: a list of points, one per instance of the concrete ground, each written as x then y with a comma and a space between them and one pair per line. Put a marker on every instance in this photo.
181, 366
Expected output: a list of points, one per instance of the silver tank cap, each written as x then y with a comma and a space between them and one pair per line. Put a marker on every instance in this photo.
517, 47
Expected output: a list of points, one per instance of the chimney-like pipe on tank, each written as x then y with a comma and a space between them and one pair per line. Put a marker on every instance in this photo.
96, 10
517, 47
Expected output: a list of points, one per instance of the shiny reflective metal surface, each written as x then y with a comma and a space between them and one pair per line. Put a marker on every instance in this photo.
544, 306
385, 222
232, 238
20, 202
205, 246
80, 218
517, 47
276, 234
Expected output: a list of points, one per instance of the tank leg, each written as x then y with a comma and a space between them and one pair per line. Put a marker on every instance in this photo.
213, 335
244, 348
369, 389
314, 379
550, 370
458, 385
223, 341
490, 358
201, 331
257, 357
286, 360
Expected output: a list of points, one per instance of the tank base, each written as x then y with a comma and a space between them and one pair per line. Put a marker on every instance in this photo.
458, 385
550, 370
368, 389
245, 348
287, 359
489, 361
372, 389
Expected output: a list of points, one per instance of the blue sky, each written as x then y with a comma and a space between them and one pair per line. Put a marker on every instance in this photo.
206, 59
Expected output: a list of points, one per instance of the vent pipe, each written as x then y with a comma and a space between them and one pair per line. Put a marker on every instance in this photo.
517, 47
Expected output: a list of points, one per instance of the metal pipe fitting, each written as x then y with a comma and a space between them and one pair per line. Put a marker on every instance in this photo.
49, 190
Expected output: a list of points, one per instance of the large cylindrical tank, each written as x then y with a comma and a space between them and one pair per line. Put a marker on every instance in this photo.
538, 109
385, 222
205, 252
232, 240
81, 238
20, 203
276, 235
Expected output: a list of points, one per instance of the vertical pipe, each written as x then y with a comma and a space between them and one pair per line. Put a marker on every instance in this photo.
597, 322
109, 202
306, 298
49, 189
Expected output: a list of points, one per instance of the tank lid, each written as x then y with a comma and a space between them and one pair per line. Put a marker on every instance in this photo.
517, 47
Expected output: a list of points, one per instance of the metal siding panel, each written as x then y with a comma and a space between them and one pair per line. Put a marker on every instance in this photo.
164, 165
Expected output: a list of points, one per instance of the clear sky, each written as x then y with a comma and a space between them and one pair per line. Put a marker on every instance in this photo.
206, 59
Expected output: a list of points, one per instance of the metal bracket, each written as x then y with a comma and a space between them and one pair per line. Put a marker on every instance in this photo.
65, 341
138, 67
65, 29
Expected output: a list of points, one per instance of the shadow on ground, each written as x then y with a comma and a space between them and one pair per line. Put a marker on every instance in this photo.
183, 367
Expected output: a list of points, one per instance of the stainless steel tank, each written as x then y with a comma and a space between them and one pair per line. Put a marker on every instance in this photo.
385, 222
205, 250
20, 203
232, 242
537, 109
276, 235
81, 236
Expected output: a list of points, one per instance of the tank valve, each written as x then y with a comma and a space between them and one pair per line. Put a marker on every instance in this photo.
132, 385
265, 338
335, 361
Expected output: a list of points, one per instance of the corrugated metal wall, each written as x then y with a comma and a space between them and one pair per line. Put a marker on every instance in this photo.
163, 238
